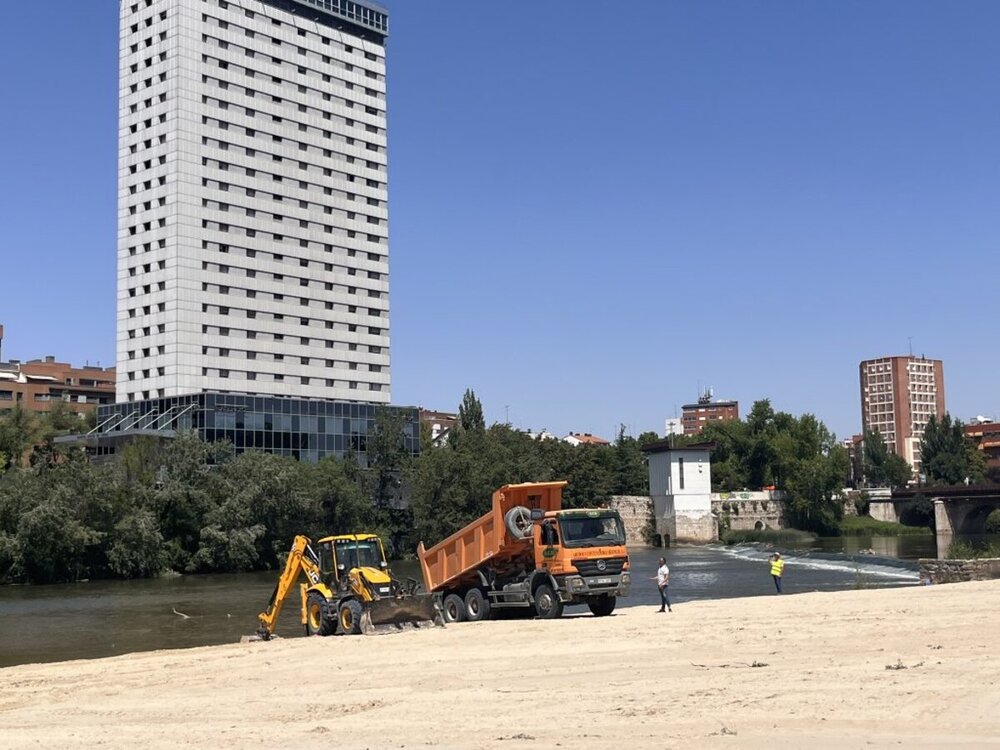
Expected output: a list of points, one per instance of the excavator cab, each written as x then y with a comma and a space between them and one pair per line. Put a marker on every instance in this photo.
358, 565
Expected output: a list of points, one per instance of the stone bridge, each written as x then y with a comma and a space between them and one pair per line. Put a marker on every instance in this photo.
955, 510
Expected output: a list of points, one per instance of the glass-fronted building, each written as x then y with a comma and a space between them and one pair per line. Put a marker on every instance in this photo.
305, 429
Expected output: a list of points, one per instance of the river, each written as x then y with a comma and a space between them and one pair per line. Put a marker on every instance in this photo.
104, 618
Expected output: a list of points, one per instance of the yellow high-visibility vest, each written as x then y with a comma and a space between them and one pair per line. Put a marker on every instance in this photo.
776, 566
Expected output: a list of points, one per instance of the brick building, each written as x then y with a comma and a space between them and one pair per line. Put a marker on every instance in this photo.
38, 383
898, 396
694, 417
986, 436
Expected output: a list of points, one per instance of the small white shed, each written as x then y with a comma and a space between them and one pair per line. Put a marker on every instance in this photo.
680, 484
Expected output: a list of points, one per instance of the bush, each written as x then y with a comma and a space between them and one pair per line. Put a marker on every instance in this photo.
771, 536
866, 525
965, 551
993, 522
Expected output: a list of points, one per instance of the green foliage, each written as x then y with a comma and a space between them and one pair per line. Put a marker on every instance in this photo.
863, 580
19, 430
947, 455
136, 547
631, 477
261, 499
868, 526
796, 454
767, 536
388, 462
993, 522
232, 550
453, 484
960, 550
470, 413
188, 506
883, 469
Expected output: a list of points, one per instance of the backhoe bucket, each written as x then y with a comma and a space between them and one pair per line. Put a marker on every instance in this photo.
399, 613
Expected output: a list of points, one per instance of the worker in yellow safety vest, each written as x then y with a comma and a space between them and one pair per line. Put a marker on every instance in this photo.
777, 566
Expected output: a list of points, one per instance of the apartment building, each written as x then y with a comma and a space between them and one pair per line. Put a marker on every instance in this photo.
37, 384
694, 417
253, 255
252, 203
898, 396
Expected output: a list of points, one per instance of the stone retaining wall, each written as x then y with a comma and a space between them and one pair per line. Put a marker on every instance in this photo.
637, 515
954, 571
750, 510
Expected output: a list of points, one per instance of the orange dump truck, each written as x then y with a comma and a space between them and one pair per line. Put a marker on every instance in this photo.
529, 553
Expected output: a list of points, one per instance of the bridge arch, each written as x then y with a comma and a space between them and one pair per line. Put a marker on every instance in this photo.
969, 517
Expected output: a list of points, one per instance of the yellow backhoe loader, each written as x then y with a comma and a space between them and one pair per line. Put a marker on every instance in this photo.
349, 589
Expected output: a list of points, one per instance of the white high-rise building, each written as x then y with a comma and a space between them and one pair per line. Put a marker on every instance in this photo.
252, 199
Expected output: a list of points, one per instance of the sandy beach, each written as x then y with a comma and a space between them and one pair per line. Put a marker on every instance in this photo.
914, 667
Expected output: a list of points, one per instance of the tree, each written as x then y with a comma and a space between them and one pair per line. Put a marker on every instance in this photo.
881, 467
631, 476
387, 457
470, 412
19, 430
947, 456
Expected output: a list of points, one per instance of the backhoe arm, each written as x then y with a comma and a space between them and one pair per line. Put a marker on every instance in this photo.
301, 558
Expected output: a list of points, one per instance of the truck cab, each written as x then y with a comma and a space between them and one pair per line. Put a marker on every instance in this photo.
584, 552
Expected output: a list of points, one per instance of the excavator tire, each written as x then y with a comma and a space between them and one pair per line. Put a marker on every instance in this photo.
350, 617
454, 608
318, 619
477, 606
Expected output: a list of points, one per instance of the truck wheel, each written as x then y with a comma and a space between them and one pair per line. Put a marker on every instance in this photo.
477, 606
603, 605
318, 620
547, 604
350, 617
454, 608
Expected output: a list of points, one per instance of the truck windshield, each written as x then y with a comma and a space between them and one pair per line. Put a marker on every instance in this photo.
363, 554
598, 530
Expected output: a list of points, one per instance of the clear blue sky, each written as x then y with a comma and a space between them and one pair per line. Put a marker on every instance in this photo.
592, 214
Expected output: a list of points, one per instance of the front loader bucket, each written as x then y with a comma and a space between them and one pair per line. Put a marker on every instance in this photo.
399, 613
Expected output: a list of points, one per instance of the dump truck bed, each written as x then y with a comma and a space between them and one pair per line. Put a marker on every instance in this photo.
487, 538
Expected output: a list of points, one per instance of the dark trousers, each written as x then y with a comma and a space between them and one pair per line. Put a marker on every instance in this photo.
664, 600
777, 583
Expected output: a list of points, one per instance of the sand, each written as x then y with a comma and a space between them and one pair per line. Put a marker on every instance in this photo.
902, 668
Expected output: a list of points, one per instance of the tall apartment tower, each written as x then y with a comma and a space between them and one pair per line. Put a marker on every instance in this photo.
252, 200
898, 396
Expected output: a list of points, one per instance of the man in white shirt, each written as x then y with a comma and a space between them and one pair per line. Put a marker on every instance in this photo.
662, 579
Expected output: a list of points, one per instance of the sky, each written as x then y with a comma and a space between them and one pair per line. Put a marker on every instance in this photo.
597, 210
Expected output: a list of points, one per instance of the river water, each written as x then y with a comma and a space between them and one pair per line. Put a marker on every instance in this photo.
104, 618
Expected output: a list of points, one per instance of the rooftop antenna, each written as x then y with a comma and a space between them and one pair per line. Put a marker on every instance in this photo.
910, 339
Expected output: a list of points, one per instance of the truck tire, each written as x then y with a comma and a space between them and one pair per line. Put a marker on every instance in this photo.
477, 606
547, 604
350, 617
454, 608
518, 522
318, 619
603, 605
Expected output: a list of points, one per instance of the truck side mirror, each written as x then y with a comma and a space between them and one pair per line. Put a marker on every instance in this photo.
383, 565
537, 514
